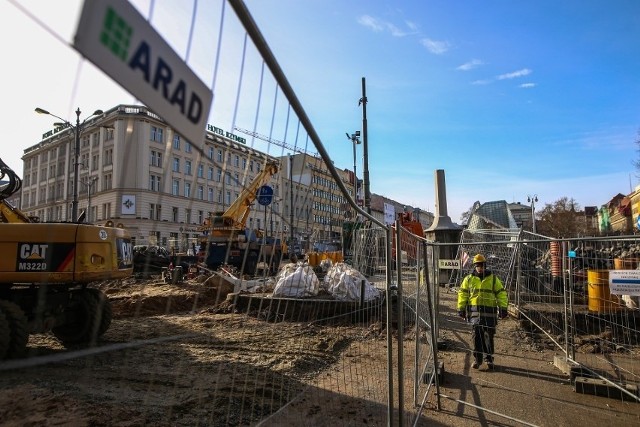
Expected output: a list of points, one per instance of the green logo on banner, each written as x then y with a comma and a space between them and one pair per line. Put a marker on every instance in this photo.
116, 34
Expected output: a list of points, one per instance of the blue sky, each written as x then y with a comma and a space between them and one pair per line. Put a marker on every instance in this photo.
510, 98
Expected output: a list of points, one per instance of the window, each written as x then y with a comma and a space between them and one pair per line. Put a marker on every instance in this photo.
200, 171
174, 214
108, 157
251, 165
200, 192
106, 182
237, 179
155, 211
210, 194
108, 136
227, 178
236, 161
228, 197
218, 175
244, 163
175, 187
187, 167
187, 146
200, 217
210, 174
156, 158
187, 189
211, 153
156, 134
219, 196
187, 215
95, 160
154, 182
220, 158
176, 141
176, 164
106, 211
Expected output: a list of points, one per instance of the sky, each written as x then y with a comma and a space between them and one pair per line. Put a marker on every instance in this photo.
510, 99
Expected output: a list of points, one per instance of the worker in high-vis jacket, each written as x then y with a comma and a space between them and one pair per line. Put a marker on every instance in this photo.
481, 297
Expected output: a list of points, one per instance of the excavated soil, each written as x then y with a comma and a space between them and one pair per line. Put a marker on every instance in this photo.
178, 354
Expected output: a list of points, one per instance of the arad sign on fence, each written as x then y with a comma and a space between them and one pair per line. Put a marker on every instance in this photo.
119, 41
449, 264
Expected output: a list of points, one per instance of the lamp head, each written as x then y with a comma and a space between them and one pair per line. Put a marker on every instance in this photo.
41, 111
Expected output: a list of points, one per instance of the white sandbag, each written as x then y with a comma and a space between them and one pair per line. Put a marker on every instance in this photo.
344, 283
296, 280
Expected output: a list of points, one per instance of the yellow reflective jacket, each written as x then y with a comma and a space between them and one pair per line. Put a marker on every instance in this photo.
487, 292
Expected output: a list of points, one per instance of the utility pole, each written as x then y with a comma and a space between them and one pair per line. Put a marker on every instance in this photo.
365, 146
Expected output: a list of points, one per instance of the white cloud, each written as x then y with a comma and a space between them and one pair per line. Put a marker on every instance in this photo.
371, 23
411, 25
515, 74
527, 85
481, 82
474, 63
378, 25
435, 46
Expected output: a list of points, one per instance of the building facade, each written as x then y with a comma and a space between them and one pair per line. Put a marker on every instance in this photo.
136, 170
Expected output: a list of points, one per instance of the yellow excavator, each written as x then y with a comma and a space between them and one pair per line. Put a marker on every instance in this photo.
45, 269
225, 240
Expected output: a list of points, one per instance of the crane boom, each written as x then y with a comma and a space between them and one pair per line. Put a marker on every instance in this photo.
235, 217
275, 142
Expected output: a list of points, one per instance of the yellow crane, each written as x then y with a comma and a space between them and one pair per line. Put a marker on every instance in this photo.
225, 239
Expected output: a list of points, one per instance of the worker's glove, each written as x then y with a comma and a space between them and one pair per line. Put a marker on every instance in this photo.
462, 313
503, 313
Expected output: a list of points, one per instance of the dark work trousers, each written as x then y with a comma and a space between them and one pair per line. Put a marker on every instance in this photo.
484, 328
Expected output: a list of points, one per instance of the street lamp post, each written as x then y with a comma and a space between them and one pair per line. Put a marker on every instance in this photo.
355, 139
77, 128
533, 199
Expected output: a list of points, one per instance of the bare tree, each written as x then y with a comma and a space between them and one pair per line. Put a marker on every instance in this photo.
562, 218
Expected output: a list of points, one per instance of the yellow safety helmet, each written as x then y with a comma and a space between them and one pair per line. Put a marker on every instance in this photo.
478, 259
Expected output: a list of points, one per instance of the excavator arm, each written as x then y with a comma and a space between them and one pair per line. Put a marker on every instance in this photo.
8, 213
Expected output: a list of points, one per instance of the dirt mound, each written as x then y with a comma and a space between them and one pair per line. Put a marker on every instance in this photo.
135, 297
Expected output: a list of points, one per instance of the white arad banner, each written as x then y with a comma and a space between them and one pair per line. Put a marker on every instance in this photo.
119, 41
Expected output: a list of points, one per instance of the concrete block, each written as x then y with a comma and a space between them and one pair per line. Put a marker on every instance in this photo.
598, 387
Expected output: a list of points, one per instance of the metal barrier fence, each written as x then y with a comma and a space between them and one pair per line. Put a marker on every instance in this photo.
561, 287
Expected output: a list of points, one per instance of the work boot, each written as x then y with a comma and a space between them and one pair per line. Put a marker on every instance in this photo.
476, 365
490, 366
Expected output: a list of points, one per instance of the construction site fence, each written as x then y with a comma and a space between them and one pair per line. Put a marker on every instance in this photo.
561, 288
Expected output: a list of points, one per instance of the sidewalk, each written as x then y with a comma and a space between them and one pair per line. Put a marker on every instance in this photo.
524, 389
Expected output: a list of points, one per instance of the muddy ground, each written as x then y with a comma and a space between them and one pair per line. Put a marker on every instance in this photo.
178, 354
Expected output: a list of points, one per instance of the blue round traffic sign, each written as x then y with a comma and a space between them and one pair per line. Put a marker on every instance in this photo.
265, 195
